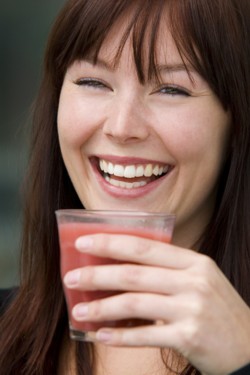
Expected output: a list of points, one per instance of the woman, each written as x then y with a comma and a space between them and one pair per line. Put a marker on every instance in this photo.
161, 86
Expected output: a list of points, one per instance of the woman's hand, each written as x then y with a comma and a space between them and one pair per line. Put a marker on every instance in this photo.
195, 309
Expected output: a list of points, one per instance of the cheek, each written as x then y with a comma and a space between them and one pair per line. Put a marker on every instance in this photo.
197, 134
76, 121
67, 121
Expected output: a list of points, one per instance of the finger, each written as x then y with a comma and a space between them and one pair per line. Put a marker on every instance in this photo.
137, 250
166, 336
128, 277
154, 307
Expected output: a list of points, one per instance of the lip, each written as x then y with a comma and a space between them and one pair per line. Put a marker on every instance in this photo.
119, 192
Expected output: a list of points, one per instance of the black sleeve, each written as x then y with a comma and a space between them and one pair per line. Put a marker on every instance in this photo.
242, 371
6, 296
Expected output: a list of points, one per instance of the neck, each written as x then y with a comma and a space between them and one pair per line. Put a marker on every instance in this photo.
123, 361
143, 361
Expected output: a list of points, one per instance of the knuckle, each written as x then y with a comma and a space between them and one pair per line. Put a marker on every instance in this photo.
206, 264
141, 337
203, 288
198, 308
142, 248
198, 286
131, 275
203, 277
131, 304
190, 337
88, 276
96, 310
102, 243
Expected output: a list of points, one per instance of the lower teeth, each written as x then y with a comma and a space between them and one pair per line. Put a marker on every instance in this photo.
123, 184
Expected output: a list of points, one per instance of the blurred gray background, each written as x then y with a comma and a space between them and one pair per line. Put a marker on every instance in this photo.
24, 27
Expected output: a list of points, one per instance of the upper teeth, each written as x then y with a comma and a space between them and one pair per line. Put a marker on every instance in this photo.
132, 171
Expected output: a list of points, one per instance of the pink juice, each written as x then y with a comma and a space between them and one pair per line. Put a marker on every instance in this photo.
72, 259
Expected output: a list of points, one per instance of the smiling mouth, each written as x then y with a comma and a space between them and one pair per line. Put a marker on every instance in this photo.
131, 176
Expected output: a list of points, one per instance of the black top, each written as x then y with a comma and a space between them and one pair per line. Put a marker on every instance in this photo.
6, 296
242, 371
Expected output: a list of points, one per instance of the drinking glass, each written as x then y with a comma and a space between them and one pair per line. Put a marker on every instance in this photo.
76, 223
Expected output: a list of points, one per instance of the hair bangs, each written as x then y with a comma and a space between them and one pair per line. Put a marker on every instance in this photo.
91, 28
199, 30
205, 33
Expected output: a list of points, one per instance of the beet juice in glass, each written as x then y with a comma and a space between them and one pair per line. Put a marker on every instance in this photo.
76, 223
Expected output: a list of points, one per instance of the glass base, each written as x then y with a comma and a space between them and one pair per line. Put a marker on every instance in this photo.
76, 335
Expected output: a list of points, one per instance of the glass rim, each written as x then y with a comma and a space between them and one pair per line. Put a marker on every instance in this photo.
121, 213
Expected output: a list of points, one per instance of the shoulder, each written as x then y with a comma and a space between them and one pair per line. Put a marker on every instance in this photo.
6, 296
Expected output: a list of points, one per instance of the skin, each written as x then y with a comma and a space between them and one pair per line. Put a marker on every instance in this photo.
198, 313
117, 117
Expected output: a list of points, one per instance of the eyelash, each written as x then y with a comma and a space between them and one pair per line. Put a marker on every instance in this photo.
171, 90
90, 82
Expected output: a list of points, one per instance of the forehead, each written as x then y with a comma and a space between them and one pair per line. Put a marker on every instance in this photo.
145, 52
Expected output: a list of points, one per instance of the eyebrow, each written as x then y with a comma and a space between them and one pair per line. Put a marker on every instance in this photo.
99, 62
175, 67
168, 68
160, 68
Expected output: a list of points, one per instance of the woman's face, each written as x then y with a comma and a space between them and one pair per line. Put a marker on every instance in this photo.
154, 147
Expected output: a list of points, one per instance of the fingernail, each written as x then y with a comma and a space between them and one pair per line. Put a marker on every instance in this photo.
72, 278
80, 311
104, 336
84, 243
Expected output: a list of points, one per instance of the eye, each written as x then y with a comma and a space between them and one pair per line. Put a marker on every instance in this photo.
173, 90
92, 83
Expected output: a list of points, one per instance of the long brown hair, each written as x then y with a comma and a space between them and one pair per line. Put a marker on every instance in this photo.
213, 35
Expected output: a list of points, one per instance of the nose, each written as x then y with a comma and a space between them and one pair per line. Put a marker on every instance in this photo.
127, 121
